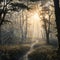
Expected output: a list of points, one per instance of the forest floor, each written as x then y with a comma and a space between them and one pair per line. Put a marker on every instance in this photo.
41, 51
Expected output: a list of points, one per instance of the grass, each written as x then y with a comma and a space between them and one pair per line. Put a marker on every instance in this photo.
44, 53
13, 52
41, 51
13, 47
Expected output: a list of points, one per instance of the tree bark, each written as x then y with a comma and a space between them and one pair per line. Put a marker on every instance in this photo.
57, 14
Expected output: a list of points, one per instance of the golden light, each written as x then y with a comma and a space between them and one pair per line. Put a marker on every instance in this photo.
47, 17
35, 16
34, 20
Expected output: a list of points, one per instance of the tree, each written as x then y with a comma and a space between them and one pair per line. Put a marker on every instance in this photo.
12, 7
3, 12
46, 14
46, 27
57, 14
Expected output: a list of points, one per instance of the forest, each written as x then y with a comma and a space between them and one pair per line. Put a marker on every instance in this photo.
29, 29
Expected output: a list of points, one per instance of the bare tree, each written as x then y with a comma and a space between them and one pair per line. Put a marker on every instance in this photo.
46, 22
12, 7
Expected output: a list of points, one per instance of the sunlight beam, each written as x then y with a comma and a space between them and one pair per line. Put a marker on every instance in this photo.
35, 16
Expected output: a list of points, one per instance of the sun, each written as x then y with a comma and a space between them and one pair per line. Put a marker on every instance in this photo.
35, 16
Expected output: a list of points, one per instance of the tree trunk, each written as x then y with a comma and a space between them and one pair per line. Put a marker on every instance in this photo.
57, 14
46, 31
